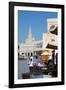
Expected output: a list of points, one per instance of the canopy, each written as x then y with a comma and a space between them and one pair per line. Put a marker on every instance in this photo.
54, 31
45, 53
51, 46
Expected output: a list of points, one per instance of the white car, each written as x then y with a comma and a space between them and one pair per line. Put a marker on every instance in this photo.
35, 61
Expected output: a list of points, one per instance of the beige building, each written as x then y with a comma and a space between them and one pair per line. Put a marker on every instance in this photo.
50, 39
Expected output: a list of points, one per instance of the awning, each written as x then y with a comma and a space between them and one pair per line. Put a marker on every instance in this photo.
51, 46
45, 53
55, 31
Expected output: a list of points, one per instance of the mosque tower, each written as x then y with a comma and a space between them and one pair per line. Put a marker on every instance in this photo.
29, 38
30, 33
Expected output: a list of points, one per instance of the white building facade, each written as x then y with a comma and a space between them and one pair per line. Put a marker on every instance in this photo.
30, 46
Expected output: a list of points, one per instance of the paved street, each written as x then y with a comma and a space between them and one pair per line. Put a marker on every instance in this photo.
24, 70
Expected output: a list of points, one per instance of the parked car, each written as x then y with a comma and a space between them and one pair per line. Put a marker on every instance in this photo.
35, 61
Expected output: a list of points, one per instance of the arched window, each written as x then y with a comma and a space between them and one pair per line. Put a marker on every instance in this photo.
31, 54
28, 54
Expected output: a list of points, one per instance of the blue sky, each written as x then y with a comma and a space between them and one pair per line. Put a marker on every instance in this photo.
36, 19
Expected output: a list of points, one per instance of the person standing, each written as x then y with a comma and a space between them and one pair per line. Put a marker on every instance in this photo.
53, 56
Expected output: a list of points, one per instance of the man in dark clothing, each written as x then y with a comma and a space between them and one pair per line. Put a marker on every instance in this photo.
53, 56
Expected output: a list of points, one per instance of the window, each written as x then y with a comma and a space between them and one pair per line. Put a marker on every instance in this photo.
52, 27
31, 54
53, 40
